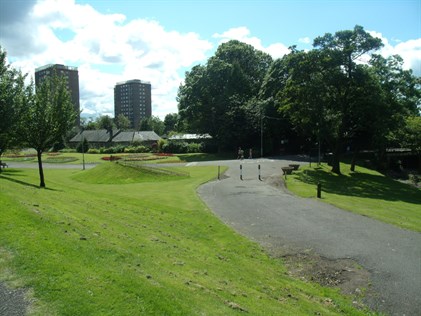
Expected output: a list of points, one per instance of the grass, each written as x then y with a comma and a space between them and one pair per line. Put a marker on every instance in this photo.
365, 192
147, 247
77, 158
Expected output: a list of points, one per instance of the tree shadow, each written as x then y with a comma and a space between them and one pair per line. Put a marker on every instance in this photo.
362, 185
2, 176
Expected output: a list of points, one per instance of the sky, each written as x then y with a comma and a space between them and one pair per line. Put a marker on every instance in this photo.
158, 41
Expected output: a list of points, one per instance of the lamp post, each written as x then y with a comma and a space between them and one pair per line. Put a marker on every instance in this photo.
83, 149
261, 133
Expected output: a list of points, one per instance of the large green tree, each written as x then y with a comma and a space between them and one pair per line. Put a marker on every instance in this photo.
152, 123
326, 89
216, 97
122, 122
400, 98
48, 115
13, 94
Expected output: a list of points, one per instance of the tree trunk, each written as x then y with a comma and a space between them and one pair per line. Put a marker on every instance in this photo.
41, 171
354, 159
336, 167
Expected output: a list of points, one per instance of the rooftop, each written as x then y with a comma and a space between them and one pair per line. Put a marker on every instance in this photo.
59, 66
133, 81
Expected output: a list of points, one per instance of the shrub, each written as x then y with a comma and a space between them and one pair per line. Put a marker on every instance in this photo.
83, 146
175, 147
136, 149
93, 151
194, 148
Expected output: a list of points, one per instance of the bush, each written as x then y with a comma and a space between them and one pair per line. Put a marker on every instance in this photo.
194, 148
93, 151
136, 149
112, 150
83, 146
175, 147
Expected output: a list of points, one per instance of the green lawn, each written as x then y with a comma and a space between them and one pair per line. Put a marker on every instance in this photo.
365, 192
144, 246
77, 158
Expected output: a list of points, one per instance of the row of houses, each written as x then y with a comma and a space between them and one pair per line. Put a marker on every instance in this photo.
104, 138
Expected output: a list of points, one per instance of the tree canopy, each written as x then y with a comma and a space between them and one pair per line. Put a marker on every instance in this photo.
13, 94
217, 98
46, 117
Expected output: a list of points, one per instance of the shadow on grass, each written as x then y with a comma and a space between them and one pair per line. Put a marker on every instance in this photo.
3, 176
206, 157
362, 185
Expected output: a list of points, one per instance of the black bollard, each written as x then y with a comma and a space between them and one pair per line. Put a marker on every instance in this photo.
241, 172
219, 172
259, 174
319, 190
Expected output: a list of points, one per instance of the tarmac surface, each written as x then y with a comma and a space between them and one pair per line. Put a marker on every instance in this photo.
279, 220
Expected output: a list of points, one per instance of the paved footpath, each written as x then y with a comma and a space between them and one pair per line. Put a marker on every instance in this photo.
274, 217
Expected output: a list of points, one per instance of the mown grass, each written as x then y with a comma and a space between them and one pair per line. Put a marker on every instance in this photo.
141, 248
366, 192
77, 158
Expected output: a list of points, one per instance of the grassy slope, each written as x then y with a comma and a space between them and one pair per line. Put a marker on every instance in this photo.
140, 248
365, 192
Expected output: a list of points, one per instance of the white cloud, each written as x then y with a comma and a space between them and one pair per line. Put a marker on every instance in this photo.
410, 51
276, 50
304, 40
78, 35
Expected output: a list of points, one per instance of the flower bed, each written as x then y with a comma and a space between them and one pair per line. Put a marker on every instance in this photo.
111, 158
164, 154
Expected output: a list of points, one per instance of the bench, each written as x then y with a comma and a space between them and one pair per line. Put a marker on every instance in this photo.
3, 165
287, 170
295, 166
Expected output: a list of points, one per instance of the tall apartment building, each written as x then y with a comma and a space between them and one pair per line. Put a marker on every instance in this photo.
72, 75
133, 99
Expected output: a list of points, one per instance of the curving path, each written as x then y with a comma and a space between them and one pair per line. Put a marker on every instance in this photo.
279, 220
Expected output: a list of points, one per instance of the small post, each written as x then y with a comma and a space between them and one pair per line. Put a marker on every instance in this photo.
319, 190
259, 173
241, 172
219, 170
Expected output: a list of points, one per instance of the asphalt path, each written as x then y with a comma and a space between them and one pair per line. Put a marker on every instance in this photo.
277, 219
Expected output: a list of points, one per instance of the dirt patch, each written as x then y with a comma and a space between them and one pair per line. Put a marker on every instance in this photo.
346, 274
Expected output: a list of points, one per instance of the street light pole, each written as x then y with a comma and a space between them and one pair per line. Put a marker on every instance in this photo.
83, 152
261, 133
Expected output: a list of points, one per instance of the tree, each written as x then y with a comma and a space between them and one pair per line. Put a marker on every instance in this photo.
401, 98
152, 123
48, 115
171, 122
410, 136
326, 91
13, 94
215, 97
105, 122
122, 122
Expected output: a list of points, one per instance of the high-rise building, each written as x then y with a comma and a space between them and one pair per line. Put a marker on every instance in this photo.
133, 99
72, 75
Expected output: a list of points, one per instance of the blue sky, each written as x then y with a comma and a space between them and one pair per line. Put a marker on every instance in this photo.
157, 41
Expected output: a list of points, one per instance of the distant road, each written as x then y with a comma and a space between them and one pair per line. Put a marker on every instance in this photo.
32, 165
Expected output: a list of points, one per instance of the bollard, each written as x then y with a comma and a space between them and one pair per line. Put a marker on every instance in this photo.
241, 172
259, 173
319, 190
219, 172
